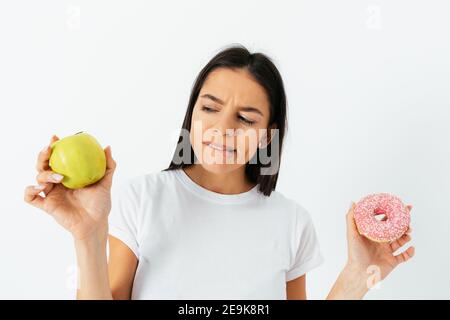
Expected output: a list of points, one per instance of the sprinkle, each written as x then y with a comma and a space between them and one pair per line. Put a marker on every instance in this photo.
393, 227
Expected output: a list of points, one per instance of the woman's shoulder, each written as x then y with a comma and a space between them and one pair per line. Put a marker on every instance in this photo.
148, 182
290, 205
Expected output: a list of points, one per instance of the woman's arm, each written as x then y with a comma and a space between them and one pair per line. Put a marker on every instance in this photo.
84, 213
368, 261
351, 284
93, 282
122, 267
296, 289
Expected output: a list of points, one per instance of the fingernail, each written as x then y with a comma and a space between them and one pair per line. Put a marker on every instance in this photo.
351, 204
57, 177
45, 149
39, 187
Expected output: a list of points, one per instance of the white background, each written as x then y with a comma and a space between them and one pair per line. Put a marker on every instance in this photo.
368, 85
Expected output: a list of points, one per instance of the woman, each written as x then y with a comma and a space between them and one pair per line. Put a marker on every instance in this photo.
210, 226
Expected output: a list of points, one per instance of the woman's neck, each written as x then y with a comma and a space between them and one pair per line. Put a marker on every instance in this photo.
233, 182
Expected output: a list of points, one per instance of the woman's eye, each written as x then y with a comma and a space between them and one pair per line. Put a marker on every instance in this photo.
208, 109
241, 118
246, 121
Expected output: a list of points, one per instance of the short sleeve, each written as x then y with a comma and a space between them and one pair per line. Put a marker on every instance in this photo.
123, 218
307, 254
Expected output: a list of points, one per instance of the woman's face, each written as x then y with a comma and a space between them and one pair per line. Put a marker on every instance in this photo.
229, 119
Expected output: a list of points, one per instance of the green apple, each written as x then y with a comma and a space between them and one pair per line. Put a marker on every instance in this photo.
79, 158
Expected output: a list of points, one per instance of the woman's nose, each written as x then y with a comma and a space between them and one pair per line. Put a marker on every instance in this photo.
223, 127
226, 132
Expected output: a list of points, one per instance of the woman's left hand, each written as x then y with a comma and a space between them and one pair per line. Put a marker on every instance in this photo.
374, 259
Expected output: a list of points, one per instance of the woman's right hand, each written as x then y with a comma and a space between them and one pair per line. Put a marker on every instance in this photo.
81, 211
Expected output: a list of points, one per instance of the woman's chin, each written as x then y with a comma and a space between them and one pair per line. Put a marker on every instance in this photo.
220, 168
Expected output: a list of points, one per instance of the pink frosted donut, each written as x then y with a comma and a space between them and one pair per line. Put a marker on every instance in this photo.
392, 227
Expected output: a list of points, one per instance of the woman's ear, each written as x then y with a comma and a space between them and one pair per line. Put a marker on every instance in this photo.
266, 139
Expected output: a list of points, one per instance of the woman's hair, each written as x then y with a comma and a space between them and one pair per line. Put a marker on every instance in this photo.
267, 75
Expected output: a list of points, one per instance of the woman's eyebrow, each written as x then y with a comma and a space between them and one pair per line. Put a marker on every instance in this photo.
252, 109
246, 108
213, 98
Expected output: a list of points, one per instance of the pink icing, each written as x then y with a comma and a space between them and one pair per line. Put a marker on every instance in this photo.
393, 227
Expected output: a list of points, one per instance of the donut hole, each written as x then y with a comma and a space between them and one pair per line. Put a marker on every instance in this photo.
381, 217
380, 214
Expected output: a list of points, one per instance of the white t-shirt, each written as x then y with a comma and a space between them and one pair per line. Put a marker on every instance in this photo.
193, 243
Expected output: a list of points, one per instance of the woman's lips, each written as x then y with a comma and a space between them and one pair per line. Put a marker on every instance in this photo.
220, 148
